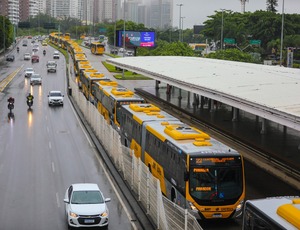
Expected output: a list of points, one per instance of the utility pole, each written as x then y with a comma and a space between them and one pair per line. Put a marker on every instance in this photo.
222, 30
281, 39
179, 31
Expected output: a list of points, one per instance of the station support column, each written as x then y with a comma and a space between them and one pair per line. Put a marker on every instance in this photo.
235, 114
263, 126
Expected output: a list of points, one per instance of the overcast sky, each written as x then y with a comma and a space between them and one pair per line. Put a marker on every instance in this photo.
195, 12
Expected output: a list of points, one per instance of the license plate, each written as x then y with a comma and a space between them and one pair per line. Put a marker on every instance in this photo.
217, 216
89, 221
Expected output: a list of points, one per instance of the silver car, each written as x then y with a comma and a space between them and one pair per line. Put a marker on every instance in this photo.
35, 79
55, 98
29, 71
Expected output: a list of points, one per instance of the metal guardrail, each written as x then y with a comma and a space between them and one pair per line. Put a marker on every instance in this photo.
165, 214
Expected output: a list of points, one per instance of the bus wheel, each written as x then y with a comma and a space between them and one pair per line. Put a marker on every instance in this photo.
149, 167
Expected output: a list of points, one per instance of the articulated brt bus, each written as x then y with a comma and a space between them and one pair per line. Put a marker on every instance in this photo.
195, 171
133, 118
109, 97
273, 213
87, 79
97, 48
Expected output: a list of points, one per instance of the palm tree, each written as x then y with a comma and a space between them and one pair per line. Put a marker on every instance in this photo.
271, 5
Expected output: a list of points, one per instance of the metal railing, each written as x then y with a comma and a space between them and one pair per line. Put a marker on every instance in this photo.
165, 214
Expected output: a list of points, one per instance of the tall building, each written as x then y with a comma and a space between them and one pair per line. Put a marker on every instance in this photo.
10, 9
42, 6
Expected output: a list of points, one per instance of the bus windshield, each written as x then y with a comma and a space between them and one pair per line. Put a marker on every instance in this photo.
216, 183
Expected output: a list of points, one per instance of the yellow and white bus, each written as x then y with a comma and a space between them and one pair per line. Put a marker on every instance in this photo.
195, 171
97, 48
109, 97
273, 213
87, 79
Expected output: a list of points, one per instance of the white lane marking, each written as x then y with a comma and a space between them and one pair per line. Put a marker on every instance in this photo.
81, 126
116, 192
53, 167
57, 200
50, 146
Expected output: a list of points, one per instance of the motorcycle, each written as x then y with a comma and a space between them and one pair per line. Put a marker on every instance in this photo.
10, 106
18, 49
29, 103
44, 52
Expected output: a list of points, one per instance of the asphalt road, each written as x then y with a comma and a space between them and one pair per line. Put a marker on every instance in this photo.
43, 151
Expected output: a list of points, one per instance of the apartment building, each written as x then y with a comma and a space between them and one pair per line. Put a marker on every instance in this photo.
10, 9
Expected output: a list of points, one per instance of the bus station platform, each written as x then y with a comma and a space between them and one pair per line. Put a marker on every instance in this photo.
253, 103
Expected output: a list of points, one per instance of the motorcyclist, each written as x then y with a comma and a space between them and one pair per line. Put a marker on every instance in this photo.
11, 100
30, 97
18, 49
44, 52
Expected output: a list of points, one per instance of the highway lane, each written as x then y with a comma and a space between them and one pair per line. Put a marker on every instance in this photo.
43, 151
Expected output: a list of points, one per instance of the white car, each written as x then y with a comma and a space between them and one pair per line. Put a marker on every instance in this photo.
27, 56
55, 98
28, 72
35, 79
85, 206
129, 53
56, 55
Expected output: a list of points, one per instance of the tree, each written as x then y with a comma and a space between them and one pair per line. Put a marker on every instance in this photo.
271, 5
164, 48
232, 55
6, 32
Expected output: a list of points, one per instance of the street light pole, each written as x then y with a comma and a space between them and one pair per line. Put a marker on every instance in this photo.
115, 26
180, 5
123, 37
182, 28
222, 29
281, 39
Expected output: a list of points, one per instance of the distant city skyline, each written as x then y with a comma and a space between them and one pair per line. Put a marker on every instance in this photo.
195, 12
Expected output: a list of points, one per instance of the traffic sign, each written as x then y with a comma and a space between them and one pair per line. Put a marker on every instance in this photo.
230, 41
255, 42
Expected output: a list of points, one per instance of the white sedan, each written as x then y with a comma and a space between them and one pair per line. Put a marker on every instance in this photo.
85, 206
35, 79
55, 98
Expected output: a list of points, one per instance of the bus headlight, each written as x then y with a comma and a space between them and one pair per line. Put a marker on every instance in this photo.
240, 206
193, 207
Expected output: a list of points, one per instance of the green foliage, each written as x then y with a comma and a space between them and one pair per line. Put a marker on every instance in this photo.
232, 55
7, 33
164, 48
271, 5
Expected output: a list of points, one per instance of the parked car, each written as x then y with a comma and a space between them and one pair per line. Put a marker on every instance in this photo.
35, 58
56, 55
85, 206
114, 51
29, 71
129, 53
10, 57
35, 79
27, 56
55, 98
121, 50
51, 66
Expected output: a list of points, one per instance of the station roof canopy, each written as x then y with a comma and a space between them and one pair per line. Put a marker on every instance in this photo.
271, 92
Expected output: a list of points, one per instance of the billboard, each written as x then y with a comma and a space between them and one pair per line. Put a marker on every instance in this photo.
135, 38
